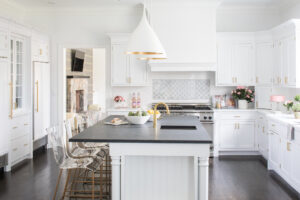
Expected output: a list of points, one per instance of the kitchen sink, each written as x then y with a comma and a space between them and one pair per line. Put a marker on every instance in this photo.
178, 127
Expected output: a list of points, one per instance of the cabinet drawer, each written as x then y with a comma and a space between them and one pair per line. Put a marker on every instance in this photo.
19, 126
280, 129
19, 147
236, 116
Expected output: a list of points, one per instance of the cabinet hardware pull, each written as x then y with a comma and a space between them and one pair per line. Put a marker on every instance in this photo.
14, 127
25, 145
237, 116
235, 79
232, 79
257, 104
11, 100
273, 125
3, 57
285, 80
15, 149
41, 51
288, 146
263, 129
238, 125
25, 124
256, 79
37, 96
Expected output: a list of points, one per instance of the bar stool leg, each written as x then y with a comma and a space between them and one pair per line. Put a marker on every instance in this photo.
57, 183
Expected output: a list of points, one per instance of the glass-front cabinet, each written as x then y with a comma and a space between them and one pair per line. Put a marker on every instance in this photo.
17, 75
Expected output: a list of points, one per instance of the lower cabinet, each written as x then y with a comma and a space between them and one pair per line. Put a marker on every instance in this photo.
274, 150
262, 136
295, 165
237, 135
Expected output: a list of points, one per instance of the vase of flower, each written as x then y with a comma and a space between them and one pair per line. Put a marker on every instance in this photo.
242, 104
296, 109
244, 96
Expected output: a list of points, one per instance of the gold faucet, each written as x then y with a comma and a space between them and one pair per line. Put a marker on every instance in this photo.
155, 110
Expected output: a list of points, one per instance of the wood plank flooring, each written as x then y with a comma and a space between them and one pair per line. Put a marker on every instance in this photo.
230, 179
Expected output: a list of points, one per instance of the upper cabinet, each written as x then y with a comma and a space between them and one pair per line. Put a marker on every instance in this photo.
235, 53
4, 40
190, 36
126, 70
40, 47
264, 59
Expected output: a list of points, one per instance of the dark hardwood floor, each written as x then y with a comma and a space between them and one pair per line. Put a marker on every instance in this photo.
230, 179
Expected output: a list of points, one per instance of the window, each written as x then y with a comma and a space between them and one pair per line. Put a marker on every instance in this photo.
17, 69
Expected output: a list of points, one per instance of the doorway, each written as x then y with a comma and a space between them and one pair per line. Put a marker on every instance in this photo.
85, 86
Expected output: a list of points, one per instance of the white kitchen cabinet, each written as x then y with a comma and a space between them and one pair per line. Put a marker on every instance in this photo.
295, 165
262, 136
40, 50
286, 43
246, 135
262, 97
41, 99
235, 65
264, 63
4, 106
237, 135
274, 148
228, 137
126, 70
4, 40
234, 131
286, 158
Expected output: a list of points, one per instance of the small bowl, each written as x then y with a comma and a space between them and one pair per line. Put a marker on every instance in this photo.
152, 117
138, 119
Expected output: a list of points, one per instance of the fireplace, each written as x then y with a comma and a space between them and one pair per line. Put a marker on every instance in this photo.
77, 94
79, 101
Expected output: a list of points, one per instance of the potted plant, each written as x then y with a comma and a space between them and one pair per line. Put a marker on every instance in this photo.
244, 96
296, 109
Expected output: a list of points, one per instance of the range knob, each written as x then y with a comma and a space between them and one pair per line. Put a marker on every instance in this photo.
205, 117
210, 118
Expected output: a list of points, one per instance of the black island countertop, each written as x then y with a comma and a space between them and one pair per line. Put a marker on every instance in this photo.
145, 133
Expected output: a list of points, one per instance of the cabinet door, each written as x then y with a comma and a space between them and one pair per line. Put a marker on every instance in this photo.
262, 97
228, 135
295, 172
290, 79
278, 52
286, 158
119, 65
274, 152
4, 44
137, 71
243, 66
264, 63
41, 100
224, 67
4, 106
246, 135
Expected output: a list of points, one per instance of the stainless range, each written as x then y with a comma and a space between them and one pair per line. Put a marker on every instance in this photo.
204, 112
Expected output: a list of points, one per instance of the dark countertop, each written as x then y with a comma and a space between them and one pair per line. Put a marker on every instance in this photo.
145, 133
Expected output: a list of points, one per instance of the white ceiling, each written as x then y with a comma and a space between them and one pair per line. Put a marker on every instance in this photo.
99, 3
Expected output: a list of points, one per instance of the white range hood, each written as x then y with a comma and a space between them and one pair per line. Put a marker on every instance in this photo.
187, 30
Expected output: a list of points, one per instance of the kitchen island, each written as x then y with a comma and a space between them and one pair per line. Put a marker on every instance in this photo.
169, 162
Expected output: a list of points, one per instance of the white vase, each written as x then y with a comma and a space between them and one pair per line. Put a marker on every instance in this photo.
243, 104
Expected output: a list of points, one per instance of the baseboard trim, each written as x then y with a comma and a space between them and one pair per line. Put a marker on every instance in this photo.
40, 143
3, 160
294, 194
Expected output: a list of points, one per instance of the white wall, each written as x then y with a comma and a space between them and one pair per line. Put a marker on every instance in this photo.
99, 78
